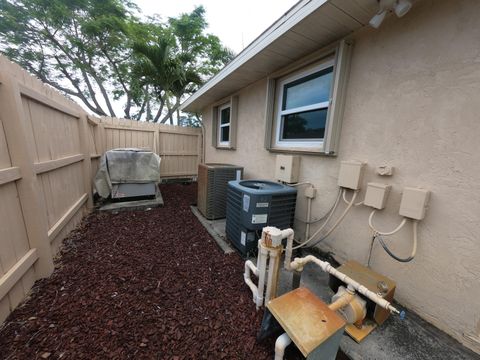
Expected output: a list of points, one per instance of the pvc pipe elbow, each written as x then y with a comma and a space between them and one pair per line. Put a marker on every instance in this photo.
282, 342
287, 233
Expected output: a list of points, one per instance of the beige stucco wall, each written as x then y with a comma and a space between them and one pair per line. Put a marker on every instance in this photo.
413, 102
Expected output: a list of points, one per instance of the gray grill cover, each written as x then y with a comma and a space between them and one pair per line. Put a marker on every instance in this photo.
128, 165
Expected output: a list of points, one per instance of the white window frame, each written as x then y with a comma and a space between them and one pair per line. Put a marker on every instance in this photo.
220, 126
300, 143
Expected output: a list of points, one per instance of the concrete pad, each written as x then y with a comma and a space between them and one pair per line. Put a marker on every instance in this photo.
410, 339
216, 228
134, 205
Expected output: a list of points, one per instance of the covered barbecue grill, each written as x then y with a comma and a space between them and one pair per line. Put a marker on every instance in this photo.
128, 174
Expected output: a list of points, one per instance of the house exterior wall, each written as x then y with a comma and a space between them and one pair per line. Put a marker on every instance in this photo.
413, 102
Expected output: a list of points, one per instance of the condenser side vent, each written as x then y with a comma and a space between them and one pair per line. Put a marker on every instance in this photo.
212, 188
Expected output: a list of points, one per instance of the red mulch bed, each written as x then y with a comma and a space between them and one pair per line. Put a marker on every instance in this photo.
144, 285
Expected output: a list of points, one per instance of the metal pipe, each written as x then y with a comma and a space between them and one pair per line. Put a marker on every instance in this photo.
282, 342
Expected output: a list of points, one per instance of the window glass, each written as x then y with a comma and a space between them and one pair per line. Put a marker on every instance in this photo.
304, 125
309, 90
225, 133
225, 116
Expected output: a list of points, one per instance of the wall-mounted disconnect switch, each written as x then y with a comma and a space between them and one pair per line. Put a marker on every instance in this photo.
287, 168
310, 192
351, 174
376, 195
414, 203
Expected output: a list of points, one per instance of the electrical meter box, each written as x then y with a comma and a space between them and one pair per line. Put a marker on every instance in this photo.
376, 195
287, 168
414, 203
351, 174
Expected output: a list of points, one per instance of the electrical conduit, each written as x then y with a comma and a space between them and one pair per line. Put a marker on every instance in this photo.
339, 220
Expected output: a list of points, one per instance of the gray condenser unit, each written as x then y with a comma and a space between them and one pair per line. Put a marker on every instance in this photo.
212, 188
254, 204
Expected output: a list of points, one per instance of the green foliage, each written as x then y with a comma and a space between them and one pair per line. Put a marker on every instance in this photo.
101, 52
178, 61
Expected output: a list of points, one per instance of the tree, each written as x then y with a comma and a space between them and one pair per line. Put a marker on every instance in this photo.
85, 49
178, 61
79, 47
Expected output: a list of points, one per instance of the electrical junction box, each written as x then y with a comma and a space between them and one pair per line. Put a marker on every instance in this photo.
351, 174
310, 192
414, 203
287, 168
376, 195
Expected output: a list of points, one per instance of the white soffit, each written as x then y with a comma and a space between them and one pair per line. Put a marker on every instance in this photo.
307, 26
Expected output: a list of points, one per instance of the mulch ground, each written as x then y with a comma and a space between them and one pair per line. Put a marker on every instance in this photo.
140, 285
144, 285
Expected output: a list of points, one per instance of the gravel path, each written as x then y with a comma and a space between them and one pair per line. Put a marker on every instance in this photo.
143, 285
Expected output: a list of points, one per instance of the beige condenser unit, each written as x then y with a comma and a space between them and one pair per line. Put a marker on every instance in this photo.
212, 188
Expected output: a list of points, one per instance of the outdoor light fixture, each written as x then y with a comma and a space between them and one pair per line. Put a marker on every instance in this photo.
377, 20
400, 7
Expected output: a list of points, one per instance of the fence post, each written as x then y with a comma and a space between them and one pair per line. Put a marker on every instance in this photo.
156, 141
87, 161
21, 155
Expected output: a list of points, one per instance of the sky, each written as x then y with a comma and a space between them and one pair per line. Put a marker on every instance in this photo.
236, 23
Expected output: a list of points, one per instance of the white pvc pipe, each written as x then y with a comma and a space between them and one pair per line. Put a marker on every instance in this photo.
262, 269
415, 239
282, 342
397, 229
309, 216
272, 266
289, 234
299, 263
246, 277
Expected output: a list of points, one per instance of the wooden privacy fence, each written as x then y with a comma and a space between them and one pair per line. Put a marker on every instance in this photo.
49, 152
179, 147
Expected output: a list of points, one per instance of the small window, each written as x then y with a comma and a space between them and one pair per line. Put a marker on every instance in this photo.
303, 102
224, 125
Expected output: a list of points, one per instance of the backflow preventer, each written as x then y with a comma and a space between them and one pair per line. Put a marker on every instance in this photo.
318, 334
